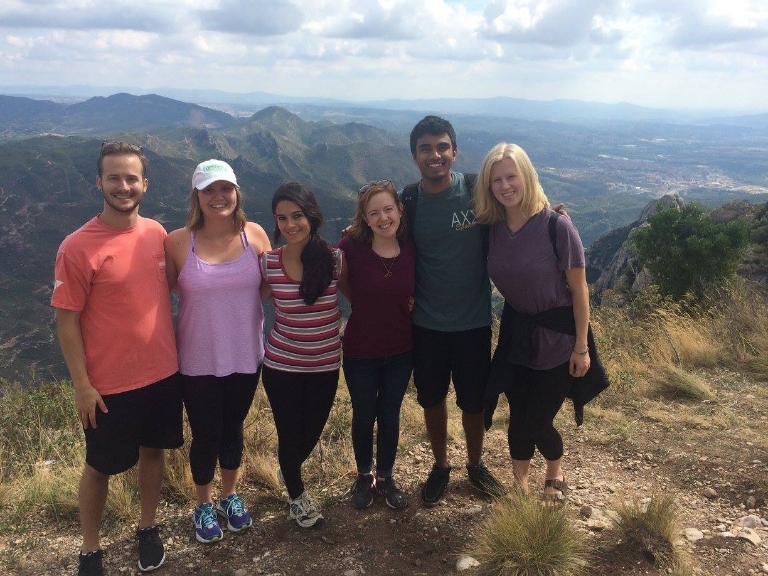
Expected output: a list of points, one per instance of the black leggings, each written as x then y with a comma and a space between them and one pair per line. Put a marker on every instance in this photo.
216, 409
301, 403
534, 400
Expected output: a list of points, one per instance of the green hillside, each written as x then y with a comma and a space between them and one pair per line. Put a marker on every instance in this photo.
605, 175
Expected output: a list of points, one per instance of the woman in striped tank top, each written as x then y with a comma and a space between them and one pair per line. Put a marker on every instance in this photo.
303, 350
214, 263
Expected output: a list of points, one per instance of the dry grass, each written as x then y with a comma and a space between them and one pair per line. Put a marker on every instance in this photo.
612, 425
53, 487
739, 318
662, 346
652, 524
675, 382
178, 485
523, 538
260, 455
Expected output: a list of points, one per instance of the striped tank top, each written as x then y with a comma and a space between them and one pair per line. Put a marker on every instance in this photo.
304, 338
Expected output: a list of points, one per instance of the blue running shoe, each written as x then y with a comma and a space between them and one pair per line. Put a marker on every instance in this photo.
207, 528
234, 510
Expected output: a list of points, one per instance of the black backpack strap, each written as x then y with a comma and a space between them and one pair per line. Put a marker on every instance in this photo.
409, 197
469, 181
553, 232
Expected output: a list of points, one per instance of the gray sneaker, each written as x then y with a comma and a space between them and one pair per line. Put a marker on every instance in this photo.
304, 510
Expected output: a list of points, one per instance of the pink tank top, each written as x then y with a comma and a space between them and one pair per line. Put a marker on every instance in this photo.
220, 327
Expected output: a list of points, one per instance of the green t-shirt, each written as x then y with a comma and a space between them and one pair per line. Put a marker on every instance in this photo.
453, 292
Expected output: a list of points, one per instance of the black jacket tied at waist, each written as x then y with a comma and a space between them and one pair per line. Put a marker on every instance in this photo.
514, 347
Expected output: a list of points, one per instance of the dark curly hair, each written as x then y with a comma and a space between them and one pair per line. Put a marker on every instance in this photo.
316, 257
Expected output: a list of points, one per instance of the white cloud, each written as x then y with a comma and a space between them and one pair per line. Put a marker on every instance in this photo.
260, 18
654, 52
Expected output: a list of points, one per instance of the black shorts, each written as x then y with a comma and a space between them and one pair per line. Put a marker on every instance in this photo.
439, 357
150, 416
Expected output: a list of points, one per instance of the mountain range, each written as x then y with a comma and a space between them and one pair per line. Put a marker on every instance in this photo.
605, 172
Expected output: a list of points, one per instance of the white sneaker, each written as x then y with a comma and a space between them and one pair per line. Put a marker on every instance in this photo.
305, 511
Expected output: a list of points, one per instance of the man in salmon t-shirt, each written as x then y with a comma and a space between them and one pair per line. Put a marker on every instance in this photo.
114, 324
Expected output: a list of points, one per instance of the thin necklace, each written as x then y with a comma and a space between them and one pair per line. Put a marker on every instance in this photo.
388, 267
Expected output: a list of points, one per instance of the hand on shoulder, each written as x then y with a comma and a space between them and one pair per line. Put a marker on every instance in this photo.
561, 210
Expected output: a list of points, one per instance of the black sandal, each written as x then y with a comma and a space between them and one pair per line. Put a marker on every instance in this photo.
555, 499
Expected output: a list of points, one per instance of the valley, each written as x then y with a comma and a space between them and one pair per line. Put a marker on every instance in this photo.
604, 171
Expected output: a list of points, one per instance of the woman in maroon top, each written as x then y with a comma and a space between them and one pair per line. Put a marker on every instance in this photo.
378, 339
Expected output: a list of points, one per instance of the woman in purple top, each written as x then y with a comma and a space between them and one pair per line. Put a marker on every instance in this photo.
534, 279
214, 263
378, 339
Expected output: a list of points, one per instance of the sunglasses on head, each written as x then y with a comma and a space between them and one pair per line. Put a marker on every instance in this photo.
375, 184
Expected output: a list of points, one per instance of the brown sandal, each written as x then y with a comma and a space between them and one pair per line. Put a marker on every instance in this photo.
555, 499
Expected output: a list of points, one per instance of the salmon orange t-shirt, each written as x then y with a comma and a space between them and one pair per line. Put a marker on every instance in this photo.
115, 278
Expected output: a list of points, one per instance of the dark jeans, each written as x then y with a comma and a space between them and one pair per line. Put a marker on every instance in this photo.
301, 403
216, 408
376, 387
534, 401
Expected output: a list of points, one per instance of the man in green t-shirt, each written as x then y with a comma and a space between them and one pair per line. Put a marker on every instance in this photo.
452, 314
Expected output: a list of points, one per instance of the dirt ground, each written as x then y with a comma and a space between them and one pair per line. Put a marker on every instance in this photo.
712, 456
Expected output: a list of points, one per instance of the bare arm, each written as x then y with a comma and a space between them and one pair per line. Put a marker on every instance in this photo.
577, 282
265, 290
343, 284
176, 248
71, 342
257, 238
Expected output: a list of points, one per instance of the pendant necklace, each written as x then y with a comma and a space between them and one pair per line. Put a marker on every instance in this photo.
388, 263
387, 267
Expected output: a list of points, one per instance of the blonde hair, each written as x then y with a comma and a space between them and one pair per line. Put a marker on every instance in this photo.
488, 210
359, 230
195, 214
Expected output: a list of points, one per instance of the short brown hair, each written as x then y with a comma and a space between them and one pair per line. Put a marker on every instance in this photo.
120, 149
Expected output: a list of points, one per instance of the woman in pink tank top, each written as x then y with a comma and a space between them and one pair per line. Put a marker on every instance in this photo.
213, 262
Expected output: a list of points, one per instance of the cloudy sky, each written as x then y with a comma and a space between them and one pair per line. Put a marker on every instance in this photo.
662, 53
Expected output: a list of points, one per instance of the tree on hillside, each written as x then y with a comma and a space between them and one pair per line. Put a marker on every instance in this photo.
759, 230
684, 250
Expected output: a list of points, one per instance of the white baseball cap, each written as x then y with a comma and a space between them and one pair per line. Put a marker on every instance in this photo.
210, 171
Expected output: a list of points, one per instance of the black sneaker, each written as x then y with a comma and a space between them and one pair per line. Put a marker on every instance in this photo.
393, 496
151, 550
362, 491
90, 564
435, 486
482, 479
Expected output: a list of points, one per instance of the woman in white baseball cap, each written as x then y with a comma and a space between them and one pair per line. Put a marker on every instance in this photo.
213, 262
